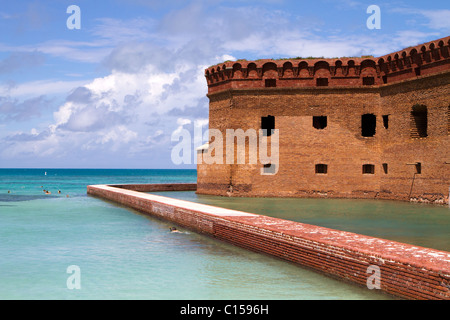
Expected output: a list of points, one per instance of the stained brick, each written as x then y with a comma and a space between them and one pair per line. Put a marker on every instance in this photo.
239, 101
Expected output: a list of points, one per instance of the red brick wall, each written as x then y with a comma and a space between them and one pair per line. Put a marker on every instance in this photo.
239, 103
406, 271
159, 187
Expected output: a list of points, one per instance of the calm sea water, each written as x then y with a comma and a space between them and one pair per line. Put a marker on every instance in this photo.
122, 254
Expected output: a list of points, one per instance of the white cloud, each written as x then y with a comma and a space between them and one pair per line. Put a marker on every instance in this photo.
42, 87
182, 122
438, 19
201, 122
112, 113
32, 146
407, 38
81, 51
117, 135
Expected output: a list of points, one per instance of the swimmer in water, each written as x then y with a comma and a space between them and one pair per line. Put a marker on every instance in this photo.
173, 229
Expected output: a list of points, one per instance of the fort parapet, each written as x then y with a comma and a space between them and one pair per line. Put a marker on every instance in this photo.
348, 127
410, 63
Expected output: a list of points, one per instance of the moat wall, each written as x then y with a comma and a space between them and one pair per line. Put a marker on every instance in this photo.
405, 271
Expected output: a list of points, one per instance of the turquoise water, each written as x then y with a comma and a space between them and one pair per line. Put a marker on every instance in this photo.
122, 254
418, 224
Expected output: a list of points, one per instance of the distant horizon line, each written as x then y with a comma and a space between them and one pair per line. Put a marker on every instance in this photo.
64, 168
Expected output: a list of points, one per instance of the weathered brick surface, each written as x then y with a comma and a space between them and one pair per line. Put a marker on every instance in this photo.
415, 76
407, 271
159, 187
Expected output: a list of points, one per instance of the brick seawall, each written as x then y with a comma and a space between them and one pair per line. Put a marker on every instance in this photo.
407, 271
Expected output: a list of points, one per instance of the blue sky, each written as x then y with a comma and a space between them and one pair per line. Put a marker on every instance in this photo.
110, 94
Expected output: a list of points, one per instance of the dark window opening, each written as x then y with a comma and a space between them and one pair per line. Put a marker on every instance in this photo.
271, 83
385, 168
269, 168
386, 121
384, 79
368, 125
268, 125
368, 81
320, 122
417, 71
368, 169
419, 121
322, 82
322, 168
418, 168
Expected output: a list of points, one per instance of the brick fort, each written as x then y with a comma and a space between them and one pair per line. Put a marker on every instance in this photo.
375, 128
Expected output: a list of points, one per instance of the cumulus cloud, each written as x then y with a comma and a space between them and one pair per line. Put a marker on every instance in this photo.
131, 113
80, 95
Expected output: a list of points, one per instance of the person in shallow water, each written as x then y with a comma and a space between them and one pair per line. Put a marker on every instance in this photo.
173, 229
